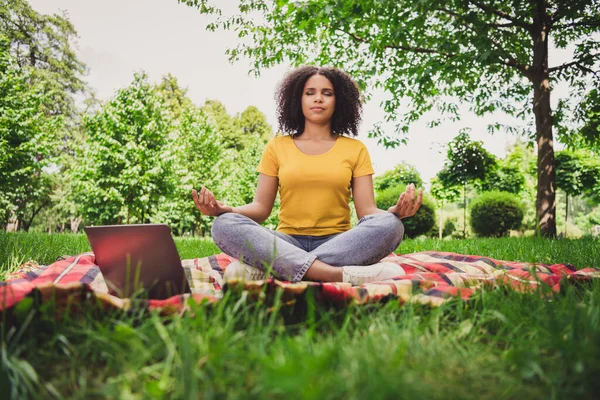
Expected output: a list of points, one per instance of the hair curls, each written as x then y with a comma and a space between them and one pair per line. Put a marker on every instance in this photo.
348, 106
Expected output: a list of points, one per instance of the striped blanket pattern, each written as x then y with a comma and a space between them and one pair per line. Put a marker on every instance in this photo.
428, 278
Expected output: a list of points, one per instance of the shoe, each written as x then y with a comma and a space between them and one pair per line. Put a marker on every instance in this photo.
239, 270
360, 274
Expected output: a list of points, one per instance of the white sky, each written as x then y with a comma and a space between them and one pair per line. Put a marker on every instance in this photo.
120, 37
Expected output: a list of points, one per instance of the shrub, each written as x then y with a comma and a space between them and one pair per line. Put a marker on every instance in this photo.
421, 222
496, 213
449, 227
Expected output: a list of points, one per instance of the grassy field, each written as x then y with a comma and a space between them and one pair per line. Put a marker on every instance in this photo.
500, 344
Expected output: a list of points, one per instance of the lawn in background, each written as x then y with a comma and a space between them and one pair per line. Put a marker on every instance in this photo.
500, 344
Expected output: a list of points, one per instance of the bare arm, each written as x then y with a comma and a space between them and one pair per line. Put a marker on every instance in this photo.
259, 210
364, 199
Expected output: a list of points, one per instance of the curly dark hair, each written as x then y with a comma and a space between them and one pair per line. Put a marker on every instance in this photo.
348, 106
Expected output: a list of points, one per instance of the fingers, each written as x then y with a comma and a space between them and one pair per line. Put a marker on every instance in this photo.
206, 201
418, 202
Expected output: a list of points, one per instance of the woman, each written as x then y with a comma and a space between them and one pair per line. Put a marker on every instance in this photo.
316, 169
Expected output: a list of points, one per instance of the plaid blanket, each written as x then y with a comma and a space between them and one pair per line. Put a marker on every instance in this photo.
428, 278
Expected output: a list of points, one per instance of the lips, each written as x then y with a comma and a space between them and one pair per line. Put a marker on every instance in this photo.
317, 108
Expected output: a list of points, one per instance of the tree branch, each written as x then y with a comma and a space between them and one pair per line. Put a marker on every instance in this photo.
490, 24
576, 62
577, 24
516, 21
413, 49
511, 62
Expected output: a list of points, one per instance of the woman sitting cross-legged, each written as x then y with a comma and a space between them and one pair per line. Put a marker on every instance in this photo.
316, 166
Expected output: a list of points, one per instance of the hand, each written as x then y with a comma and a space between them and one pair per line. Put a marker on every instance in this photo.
407, 206
206, 202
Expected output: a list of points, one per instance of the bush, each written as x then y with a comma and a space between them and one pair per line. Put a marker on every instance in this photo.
449, 227
496, 213
421, 222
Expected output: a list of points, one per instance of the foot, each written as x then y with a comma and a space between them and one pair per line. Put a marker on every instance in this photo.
360, 274
239, 270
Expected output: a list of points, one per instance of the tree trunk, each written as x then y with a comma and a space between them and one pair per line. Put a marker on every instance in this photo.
566, 213
441, 220
465, 211
540, 77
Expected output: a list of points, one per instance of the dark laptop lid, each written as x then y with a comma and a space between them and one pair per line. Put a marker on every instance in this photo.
138, 258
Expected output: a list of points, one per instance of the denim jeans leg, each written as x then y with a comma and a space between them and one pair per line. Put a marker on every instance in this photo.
373, 238
240, 237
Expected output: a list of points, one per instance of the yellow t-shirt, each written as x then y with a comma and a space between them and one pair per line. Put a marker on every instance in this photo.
314, 191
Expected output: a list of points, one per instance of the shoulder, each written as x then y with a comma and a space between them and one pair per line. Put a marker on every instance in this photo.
280, 141
351, 143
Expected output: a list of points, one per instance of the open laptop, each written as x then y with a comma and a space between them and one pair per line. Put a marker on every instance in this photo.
138, 259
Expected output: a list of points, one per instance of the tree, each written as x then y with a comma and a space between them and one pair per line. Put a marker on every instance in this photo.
443, 195
198, 161
43, 45
504, 178
253, 126
224, 123
575, 175
488, 55
26, 139
124, 171
174, 96
467, 161
402, 173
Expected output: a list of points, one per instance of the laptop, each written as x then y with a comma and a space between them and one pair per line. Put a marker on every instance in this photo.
138, 259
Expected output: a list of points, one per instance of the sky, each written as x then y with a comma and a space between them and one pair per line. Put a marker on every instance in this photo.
120, 37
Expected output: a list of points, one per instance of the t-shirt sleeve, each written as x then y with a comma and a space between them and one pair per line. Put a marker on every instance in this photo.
268, 164
363, 163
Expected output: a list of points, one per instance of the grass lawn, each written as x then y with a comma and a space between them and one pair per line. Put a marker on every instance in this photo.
500, 344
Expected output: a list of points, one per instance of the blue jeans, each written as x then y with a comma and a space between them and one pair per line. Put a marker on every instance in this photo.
374, 237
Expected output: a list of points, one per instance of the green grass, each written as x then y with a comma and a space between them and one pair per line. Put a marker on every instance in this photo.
499, 345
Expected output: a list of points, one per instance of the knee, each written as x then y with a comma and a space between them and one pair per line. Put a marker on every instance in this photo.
392, 227
223, 224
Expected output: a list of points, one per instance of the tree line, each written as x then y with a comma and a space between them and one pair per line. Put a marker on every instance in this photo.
492, 56
134, 159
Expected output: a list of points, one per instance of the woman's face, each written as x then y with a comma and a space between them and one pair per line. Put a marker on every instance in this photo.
318, 99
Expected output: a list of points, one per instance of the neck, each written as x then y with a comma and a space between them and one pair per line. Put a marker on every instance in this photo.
317, 131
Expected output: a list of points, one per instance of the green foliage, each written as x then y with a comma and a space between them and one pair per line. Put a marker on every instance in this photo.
402, 173
125, 168
27, 137
426, 52
420, 223
590, 114
443, 195
253, 126
224, 124
495, 214
577, 171
504, 178
198, 161
43, 46
490, 56
449, 227
467, 161
174, 96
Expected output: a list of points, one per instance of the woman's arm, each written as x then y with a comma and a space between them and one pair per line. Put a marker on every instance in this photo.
364, 199
363, 195
259, 210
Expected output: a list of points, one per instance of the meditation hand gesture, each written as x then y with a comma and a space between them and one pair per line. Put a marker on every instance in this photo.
407, 205
206, 202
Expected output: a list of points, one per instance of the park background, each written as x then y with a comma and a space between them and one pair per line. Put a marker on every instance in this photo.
142, 105
110, 112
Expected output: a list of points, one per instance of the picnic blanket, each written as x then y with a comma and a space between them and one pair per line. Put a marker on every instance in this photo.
428, 278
